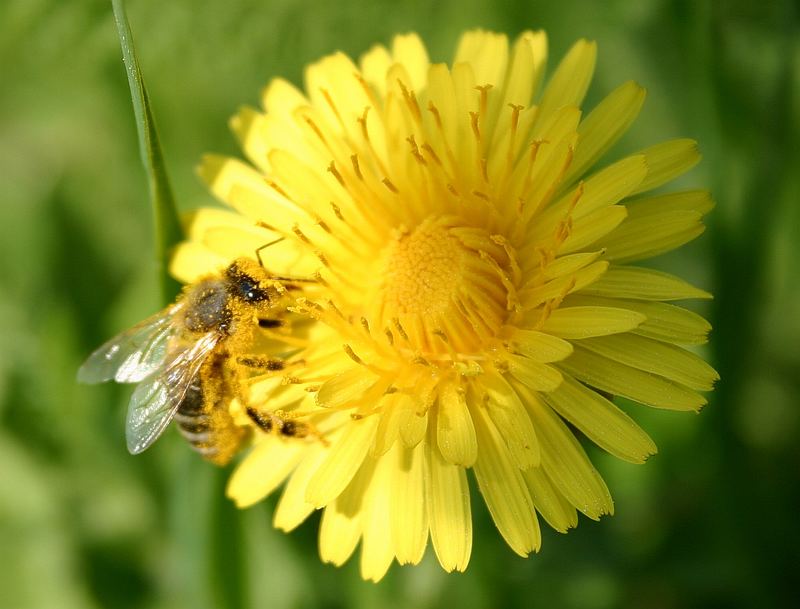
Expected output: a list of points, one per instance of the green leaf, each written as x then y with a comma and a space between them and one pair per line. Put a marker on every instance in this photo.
167, 226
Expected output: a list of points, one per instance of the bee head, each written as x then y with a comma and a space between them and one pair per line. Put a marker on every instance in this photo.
243, 286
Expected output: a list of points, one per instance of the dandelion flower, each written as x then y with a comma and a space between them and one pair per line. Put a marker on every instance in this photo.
475, 296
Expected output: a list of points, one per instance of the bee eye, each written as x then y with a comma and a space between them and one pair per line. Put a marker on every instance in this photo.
247, 289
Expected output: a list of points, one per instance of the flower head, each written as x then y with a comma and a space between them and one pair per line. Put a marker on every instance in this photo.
472, 295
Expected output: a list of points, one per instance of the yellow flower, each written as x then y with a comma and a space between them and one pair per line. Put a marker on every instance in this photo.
473, 297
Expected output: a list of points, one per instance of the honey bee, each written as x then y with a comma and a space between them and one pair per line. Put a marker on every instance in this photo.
183, 359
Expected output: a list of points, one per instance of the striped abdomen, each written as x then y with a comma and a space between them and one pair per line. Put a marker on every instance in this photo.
203, 417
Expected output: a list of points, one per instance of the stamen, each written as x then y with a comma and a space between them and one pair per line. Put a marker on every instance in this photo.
440, 334
411, 102
315, 128
476, 130
388, 183
415, 150
512, 302
367, 89
335, 172
337, 211
320, 279
300, 234
511, 254
326, 94
512, 140
277, 188
400, 329
356, 166
323, 225
322, 257
442, 133
352, 355
332, 306
484, 103
429, 149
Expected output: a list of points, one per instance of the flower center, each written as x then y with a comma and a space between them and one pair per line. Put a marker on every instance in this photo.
441, 288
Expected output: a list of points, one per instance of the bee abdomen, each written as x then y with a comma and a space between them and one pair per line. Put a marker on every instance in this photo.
205, 424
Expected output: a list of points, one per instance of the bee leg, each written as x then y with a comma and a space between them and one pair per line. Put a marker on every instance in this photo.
265, 421
272, 422
260, 363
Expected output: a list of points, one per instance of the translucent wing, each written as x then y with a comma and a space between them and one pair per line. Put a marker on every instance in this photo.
133, 354
157, 398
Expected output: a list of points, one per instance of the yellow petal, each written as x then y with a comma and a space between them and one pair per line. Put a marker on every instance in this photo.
262, 470
667, 161
375, 63
244, 189
665, 322
539, 377
293, 508
342, 521
343, 460
601, 421
455, 433
587, 321
593, 227
409, 519
671, 323
619, 379
654, 356
503, 488
609, 185
192, 261
346, 388
511, 420
486, 52
335, 92
540, 346
409, 50
605, 188
640, 238
567, 465
248, 125
377, 551
412, 425
687, 200
526, 68
571, 79
532, 297
565, 265
604, 126
449, 516
281, 98
554, 508
388, 428
339, 533
642, 284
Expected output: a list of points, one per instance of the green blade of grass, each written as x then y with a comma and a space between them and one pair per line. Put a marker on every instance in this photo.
167, 226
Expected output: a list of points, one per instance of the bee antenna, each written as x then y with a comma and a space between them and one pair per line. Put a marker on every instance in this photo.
263, 247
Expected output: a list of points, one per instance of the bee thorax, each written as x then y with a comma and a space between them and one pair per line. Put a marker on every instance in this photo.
207, 307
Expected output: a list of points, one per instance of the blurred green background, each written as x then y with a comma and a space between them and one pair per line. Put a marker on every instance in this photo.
711, 521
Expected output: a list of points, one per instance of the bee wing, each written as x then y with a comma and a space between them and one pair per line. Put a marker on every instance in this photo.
158, 397
133, 354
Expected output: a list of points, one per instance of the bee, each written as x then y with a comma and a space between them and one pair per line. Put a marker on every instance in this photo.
183, 359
